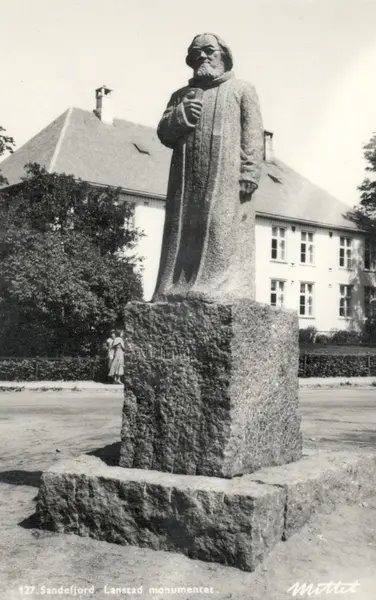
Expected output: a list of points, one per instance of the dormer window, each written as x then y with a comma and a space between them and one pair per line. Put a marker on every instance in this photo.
141, 148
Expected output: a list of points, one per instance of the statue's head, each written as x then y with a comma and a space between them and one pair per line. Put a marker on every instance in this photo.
209, 56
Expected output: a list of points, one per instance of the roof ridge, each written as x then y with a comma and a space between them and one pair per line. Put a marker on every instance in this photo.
60, 140
92, 112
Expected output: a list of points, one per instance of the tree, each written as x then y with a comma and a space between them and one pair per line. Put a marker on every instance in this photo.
66, 264
6, 145
364, 214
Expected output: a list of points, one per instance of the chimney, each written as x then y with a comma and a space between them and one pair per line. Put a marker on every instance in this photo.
268, 146
103, 108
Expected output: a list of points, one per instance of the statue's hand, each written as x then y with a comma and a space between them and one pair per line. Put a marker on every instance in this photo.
192, 107
247, 188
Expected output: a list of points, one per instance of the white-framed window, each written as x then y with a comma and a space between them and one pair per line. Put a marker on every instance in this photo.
345, 300
345, 252
306, 299
277, 292
278, 247
370, 254
307, 247
369, 302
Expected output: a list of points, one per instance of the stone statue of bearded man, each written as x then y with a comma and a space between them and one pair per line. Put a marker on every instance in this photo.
214, 127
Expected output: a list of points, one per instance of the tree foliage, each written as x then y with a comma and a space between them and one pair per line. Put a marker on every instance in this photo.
66, 264
364, 214
7, 144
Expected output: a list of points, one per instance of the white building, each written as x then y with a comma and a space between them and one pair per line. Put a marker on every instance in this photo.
309, 255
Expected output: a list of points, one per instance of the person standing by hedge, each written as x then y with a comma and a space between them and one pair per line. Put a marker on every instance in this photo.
117, 365
110, 350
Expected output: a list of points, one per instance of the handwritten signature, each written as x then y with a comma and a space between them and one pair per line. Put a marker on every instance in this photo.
316, 589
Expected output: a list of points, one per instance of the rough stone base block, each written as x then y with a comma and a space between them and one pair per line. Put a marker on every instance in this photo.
320, 481
210, 389
234, 522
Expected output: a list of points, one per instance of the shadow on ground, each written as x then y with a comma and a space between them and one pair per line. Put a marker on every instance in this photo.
19, 477
30, 522
110, 454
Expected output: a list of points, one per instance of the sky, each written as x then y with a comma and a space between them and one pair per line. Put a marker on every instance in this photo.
313, 63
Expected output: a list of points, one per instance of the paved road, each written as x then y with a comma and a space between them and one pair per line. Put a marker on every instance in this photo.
339, 418
36, 428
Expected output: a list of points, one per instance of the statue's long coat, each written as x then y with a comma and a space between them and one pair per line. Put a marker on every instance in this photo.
208, 239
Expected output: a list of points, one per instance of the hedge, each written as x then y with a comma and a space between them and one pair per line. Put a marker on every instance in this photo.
337, 365
310, 335
95, 368
53, 369
307, 335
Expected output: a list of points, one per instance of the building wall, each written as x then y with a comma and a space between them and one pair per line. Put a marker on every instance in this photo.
325, 274
149, 217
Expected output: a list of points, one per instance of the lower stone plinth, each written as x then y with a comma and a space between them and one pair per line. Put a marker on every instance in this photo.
233, 522
320, 481
210, 388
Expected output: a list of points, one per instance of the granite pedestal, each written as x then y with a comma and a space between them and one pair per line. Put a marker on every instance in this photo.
211, 454
210, 388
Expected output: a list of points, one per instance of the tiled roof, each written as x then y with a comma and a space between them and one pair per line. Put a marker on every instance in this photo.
39, 149
123, 154
130, 156
285, 193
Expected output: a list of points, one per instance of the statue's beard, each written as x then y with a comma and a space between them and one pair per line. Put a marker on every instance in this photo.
207, 71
